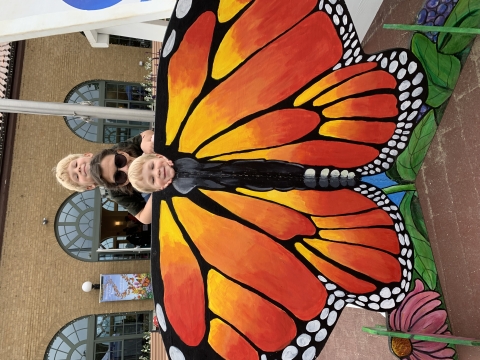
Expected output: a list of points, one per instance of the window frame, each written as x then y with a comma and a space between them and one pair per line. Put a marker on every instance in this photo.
92, 339
96, 242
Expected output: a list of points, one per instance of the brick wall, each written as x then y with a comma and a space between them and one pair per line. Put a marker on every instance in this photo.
40, 284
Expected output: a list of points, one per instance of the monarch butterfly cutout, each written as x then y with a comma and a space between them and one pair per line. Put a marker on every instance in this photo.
272, 114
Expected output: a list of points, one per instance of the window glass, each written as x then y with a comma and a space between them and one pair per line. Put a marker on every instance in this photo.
127, 41
78, 227
108, 94
115, 336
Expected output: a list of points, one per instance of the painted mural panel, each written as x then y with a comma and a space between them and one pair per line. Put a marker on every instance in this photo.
295, 155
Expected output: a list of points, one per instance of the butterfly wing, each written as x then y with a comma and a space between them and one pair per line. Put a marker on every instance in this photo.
249, 274
276, 80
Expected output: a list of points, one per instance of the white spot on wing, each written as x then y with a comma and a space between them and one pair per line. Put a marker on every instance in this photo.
416, 104
339, 304
417, 91
385, 293
161, 317
412, 67
324, 314
289, 353
303, 340
332, 317
404, 85
309, 354
183, 7
417, 79
401, 74
169, 44
175, 353
321, 335
330, 286
393, 67
331, 299
313, 326
387, 304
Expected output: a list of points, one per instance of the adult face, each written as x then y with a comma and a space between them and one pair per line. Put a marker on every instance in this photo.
115, 168
79, 171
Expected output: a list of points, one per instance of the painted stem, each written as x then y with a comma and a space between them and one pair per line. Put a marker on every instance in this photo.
428, 28
399, 188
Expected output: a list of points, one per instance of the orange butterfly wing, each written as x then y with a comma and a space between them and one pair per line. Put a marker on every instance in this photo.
298, 89
280, 81
232, 280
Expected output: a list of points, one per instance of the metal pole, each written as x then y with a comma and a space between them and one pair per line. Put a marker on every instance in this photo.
77, 110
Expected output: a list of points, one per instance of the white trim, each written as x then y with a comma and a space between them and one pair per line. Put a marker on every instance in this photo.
78, 20
152, 30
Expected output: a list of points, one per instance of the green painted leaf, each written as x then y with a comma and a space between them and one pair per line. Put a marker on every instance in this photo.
393, 174
417, 216
466, 14
423, 256
410, 160
442, 70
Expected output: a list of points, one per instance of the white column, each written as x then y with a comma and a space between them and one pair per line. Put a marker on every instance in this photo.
62, 109
97, 40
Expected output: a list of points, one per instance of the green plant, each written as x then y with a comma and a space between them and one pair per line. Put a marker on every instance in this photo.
146, 348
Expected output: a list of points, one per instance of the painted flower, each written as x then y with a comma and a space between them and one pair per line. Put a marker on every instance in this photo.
419, 313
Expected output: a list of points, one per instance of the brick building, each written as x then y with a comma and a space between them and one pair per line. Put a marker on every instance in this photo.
41, 277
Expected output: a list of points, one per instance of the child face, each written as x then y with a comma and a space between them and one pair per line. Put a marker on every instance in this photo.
79, 171
158, 173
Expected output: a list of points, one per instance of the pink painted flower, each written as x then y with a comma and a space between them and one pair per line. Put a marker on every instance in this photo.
418, 314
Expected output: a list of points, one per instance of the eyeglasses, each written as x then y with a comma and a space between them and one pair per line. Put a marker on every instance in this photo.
120, 177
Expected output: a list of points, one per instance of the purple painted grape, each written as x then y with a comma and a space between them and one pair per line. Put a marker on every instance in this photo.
422, 111
432, 4
435, 12
439, 21
442, 8
431, 15
422, 16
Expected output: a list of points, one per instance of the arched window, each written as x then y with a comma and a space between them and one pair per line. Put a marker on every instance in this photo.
90, 227
108, 94
110, 336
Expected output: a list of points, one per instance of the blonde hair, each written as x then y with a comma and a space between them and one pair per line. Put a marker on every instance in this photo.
135, 173
62, 175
